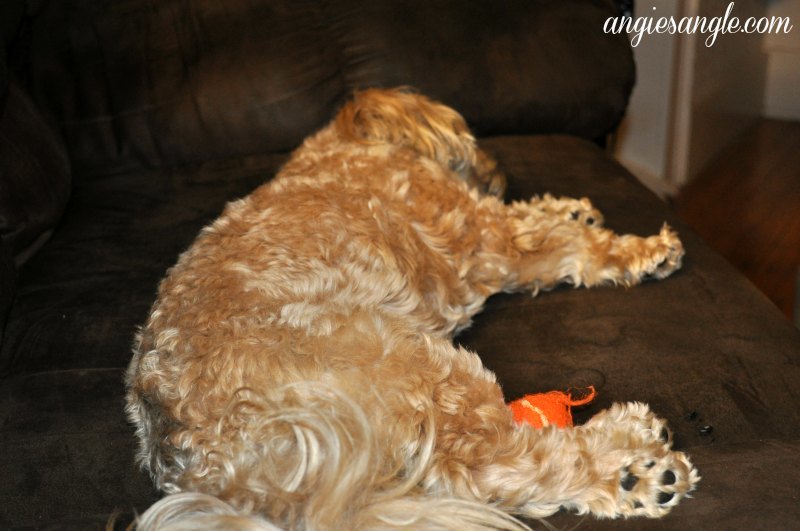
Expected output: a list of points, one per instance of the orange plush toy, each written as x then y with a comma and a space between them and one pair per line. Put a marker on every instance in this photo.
548, 409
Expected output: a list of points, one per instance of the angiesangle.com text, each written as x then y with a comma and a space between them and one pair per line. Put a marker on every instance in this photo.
710, 26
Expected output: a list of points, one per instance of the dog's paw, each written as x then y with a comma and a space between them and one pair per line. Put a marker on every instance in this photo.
666, 254
582, 211
568, 209
652, 485
648, 478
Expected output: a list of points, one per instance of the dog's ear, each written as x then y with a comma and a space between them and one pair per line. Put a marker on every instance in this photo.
402, 117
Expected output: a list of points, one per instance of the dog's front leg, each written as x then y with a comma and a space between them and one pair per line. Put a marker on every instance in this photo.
565, 248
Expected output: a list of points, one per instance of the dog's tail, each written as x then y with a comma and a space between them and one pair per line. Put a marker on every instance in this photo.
309, 458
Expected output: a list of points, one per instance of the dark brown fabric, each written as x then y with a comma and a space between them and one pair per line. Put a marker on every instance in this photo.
34, 176
149, 84
169, 109
703, 347
471, 54
8, 280
67, 458
78, 304
3, 73
11, 13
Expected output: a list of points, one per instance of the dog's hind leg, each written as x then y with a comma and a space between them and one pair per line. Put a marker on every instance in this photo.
619, 463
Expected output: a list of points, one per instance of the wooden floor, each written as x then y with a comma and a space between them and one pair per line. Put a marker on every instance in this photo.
747, 207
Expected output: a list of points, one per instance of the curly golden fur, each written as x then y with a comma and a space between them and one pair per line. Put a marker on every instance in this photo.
297, 369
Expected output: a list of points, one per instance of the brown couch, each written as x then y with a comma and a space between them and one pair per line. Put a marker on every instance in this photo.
126, 125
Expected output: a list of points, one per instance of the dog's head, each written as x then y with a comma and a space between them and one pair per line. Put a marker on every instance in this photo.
402, 117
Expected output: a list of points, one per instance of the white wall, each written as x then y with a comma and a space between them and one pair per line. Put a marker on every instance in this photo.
782, 93
726, 93
643, 137
691, 101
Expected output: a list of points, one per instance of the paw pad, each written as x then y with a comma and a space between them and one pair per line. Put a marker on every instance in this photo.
628, 482
665, 497
588, 217
649, 494
658, 477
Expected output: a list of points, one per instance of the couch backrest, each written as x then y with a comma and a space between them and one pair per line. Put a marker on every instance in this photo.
135, 83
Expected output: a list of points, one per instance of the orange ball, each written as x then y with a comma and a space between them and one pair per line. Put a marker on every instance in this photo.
548, 409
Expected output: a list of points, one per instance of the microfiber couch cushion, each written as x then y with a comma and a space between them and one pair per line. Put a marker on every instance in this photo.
66, 450
704, 348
